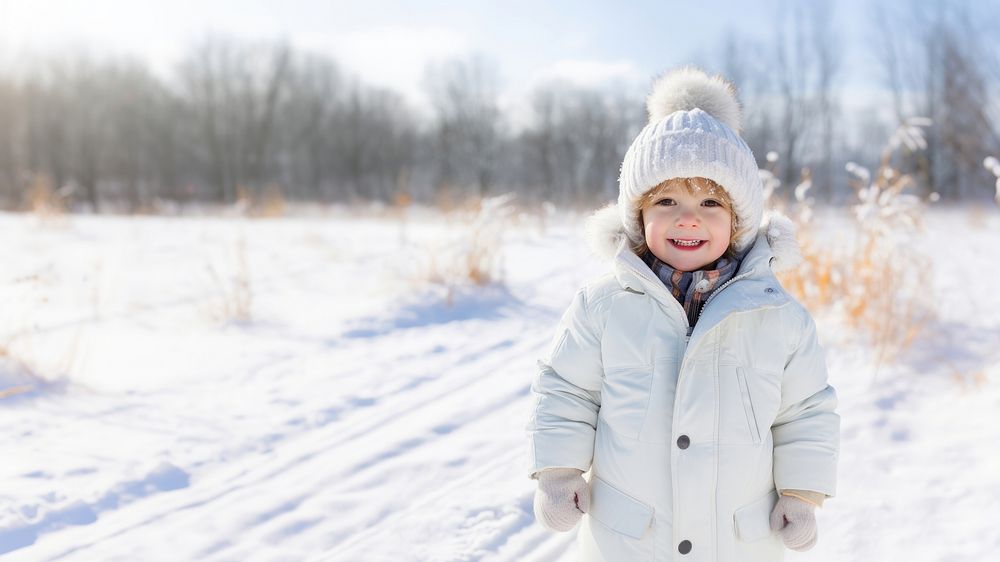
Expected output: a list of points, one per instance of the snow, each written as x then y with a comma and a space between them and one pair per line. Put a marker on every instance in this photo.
346, 411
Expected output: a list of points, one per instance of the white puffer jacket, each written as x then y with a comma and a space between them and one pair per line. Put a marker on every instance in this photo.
687, 438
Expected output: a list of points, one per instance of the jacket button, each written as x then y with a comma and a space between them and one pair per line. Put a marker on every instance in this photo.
683, 441
684, 547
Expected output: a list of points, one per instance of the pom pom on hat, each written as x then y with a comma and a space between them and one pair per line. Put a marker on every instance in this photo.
689, 88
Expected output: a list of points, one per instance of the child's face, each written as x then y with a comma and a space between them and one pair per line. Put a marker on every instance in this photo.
687, 231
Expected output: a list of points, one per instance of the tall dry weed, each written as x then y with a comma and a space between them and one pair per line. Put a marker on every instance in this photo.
234, 293
24, 366
472, 253
44, 200
269, 203
23, 374
876, 277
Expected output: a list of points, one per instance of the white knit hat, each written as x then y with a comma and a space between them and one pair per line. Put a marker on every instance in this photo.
693, 129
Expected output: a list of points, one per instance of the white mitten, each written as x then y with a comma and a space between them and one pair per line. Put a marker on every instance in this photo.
795, 521
562, 498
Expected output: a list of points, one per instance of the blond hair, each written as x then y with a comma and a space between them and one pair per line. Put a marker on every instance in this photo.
694, 186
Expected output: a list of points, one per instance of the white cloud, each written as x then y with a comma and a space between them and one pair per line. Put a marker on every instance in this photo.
588, 73
392, 57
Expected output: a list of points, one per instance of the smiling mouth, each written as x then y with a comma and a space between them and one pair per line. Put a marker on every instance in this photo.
687, 244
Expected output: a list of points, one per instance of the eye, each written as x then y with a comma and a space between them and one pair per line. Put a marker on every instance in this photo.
711, 203
665, 202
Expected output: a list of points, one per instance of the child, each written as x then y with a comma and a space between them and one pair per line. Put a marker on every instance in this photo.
687, 382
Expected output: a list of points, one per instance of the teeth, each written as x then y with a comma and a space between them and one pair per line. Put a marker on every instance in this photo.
687, 242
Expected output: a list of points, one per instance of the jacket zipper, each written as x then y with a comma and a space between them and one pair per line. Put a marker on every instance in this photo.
719, 290
690, 327
703, 307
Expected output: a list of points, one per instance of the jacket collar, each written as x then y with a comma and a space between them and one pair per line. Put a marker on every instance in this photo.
753, 286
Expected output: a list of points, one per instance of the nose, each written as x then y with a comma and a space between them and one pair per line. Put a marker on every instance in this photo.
688, 219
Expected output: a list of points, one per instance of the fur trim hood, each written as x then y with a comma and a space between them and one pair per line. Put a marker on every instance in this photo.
605, 234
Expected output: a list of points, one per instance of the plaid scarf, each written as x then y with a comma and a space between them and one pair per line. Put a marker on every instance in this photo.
692, 288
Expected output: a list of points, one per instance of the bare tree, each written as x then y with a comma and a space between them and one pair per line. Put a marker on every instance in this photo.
792, 63
132, 97
574, 144
931, 56
10, 126
464, 94
538, 142
234, 91
46, 111
746, 64
314, 101
824, 43
375, 142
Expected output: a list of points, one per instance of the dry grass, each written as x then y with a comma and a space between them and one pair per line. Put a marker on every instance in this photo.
6, 356
538, 216
28, 358
234, 300
977, 216
269, 203
44, 200
474, 253
38, 372
878, 281
15, 390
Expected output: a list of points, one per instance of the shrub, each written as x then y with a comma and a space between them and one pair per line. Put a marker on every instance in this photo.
473, 253
878, 279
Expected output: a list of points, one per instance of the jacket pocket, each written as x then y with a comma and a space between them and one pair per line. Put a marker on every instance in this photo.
619, 511
753, 521
737, 417
748, 408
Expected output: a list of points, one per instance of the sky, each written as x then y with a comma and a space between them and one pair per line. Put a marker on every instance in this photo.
388, 43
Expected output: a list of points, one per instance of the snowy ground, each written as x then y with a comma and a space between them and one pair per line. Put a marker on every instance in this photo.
355, 416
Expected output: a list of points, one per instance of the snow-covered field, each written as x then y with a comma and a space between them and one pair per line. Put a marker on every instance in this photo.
233, 389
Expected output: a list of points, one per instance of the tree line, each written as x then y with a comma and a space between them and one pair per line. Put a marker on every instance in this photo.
241, 119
